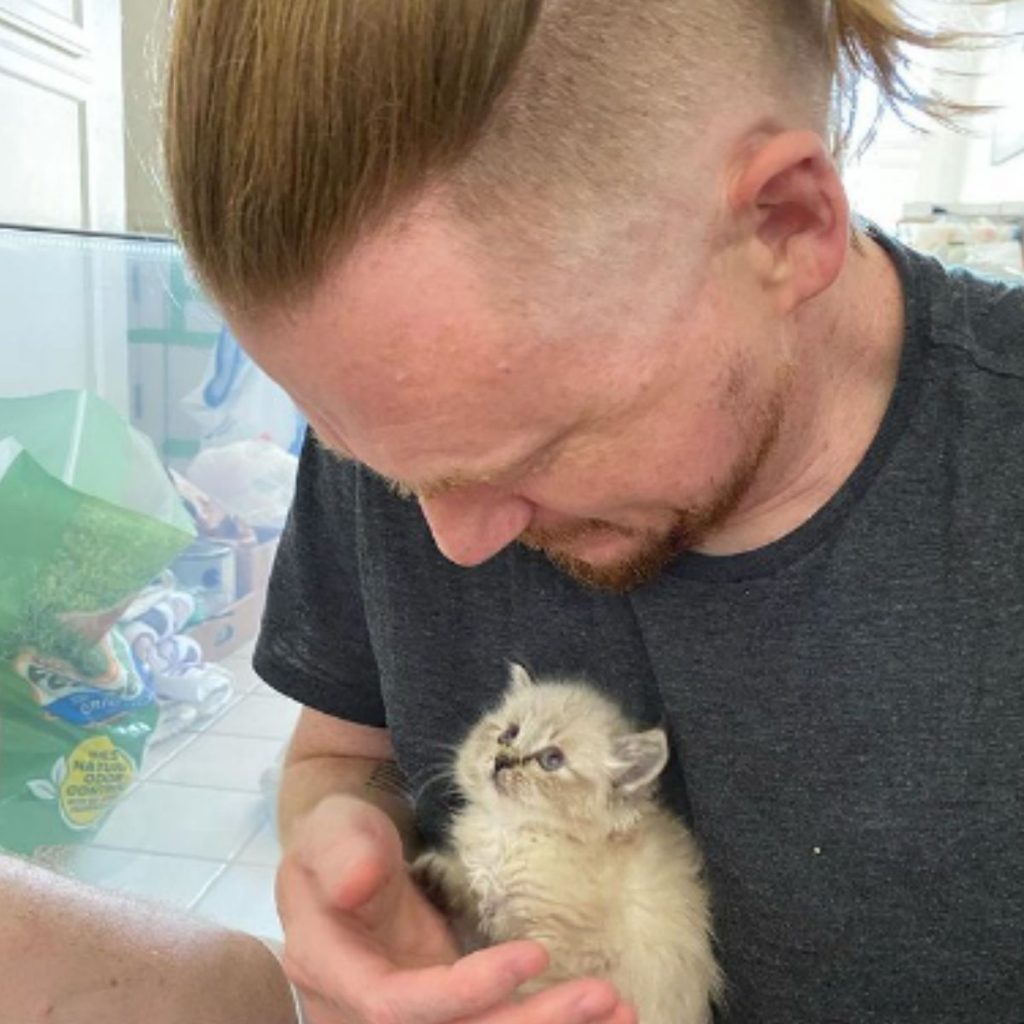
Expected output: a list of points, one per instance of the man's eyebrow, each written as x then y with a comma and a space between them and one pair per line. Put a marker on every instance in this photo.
454, 481
459, 480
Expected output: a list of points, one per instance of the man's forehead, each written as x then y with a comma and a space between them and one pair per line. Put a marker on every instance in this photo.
402, 362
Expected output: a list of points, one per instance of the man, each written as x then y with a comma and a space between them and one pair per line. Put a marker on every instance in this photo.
602, 381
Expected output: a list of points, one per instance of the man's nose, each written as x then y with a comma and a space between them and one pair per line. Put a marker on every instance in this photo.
474, 524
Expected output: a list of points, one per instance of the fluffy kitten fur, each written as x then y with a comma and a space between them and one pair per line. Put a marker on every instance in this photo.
561, 840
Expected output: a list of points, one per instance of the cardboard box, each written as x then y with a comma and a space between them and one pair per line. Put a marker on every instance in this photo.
224, 633
253, 563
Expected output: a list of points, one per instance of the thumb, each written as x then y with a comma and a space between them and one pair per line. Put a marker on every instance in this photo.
360, 875
353, 852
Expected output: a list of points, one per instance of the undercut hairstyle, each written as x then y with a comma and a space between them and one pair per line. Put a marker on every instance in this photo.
293, 129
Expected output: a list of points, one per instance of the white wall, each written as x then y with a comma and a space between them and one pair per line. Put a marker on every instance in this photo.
1001, 84
945, 166
61, 130
63, 300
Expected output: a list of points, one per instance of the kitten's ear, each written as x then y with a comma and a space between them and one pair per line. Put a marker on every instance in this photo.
638, 759
518, 676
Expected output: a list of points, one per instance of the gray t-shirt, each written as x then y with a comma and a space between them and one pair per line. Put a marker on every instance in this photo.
846, 705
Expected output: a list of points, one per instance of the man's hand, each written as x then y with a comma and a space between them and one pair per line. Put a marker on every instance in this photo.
365, 947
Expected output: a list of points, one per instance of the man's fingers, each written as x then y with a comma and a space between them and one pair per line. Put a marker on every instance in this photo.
318, 944
586, 1001
333, 955
623, 1014
358, 931
471, 986
479, 988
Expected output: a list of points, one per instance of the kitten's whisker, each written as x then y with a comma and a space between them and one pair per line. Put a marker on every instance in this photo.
446, 748
443, 775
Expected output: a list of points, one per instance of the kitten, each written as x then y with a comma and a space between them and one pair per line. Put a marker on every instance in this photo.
561, 840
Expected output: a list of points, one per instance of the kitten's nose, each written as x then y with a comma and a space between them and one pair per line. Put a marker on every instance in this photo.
503, 761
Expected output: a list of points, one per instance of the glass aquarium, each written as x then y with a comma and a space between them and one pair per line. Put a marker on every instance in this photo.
146, 470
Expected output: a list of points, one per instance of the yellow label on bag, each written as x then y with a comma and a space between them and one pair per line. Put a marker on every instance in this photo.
96, 774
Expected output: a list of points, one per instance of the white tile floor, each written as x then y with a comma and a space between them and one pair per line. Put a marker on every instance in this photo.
196, 831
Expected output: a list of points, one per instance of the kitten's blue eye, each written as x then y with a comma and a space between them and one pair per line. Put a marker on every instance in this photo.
509, 735
551, 759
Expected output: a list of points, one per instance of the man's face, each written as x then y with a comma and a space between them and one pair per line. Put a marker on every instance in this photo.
610, 424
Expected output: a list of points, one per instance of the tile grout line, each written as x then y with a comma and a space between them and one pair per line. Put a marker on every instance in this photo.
207, 886
231, 861
199, 786
109, 848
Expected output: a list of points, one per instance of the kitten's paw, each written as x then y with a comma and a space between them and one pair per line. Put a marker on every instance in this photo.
430, 872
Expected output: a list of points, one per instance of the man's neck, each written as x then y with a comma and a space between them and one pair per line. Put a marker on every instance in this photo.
848, 344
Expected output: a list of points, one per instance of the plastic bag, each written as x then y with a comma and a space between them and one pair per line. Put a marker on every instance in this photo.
87, 518
237, 401
70, 747
254, 480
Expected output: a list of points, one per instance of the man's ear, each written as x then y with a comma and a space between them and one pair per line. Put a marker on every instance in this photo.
786, 193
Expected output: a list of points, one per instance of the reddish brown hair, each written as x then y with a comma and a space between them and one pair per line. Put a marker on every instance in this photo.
294, 128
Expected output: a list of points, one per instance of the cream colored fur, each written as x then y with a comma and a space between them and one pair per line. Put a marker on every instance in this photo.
579, 857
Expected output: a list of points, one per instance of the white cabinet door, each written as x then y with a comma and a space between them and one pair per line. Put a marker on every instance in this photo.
63, 298
61, 119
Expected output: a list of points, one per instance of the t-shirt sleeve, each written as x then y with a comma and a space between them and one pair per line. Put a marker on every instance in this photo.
314, 644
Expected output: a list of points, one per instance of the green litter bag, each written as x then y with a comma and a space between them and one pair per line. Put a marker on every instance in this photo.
87, 518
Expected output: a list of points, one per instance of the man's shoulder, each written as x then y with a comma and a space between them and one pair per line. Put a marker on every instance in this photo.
981, 319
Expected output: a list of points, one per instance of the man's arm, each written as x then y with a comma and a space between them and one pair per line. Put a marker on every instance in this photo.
327, 757
72, 953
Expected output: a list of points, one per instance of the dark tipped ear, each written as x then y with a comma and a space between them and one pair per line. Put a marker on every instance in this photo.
638, 759
519, 678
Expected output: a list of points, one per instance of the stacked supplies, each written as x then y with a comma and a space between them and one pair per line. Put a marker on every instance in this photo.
987, 238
